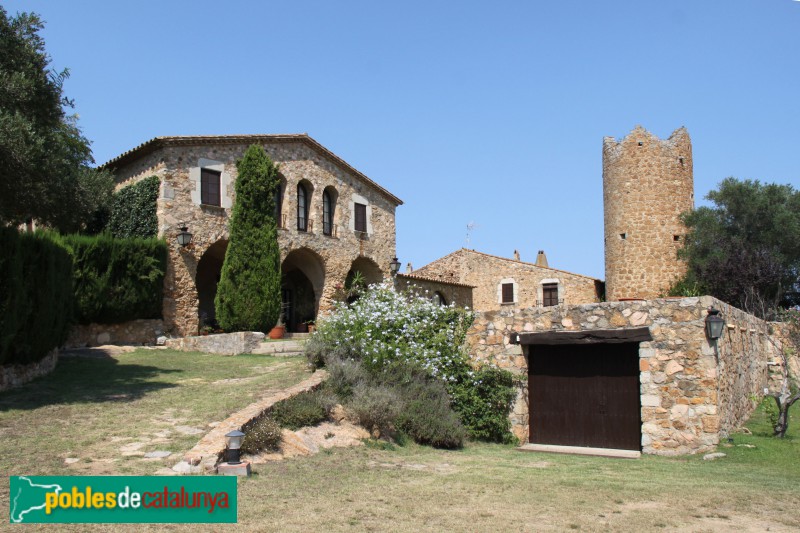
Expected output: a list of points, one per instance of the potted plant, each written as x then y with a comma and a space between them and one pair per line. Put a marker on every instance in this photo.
279, 330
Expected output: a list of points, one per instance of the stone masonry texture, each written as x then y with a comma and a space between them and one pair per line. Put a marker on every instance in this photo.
693, 391
486, 273
326, 260
647, 184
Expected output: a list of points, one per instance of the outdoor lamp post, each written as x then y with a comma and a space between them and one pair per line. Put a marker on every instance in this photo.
233, 447
714, 324
394, 266
184, 237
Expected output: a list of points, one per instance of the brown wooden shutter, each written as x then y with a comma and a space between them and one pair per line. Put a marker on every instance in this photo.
209, 187
550, 294
508, 293
361, 217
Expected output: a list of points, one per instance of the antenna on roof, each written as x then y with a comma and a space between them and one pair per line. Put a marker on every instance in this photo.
470, 226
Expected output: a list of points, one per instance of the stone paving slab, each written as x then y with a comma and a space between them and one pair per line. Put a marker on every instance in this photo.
207, 452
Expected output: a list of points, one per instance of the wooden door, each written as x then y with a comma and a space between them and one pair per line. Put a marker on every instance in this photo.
585, 395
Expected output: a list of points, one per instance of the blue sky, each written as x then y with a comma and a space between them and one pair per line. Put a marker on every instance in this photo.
484, 112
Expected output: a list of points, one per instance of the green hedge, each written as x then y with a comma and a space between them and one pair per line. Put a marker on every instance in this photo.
36, 299
116, 280
133, 213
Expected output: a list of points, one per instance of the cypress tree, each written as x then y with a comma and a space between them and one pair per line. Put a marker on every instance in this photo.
249, 289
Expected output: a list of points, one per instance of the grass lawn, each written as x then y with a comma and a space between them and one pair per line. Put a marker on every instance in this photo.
89, 409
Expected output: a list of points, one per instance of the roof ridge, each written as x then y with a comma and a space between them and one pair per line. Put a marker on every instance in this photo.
157, 142
512, 261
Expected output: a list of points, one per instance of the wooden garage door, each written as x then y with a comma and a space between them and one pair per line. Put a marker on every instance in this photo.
585, 395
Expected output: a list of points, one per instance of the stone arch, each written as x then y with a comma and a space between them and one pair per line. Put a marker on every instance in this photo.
302, 280
208, 273
304, 205
330, 196
369, 270
281, 215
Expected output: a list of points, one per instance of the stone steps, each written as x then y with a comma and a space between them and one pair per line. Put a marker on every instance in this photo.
281, 348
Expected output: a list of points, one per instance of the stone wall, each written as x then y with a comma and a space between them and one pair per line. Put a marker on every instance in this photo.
144, 332
222, 344
457, 294
487, 272
16, 375
326, 260
691, 390
647, 184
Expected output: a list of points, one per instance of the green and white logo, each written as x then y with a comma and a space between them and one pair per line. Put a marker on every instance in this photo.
122, 499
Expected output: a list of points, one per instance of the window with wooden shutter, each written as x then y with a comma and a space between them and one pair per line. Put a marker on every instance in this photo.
361, 217
549, 294
508, 293
209, 187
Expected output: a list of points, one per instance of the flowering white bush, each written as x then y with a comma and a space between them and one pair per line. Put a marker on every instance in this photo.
385, 326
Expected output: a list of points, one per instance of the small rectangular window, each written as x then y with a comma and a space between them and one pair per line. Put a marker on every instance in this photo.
209, 187
361, 218
508, 293
550, 294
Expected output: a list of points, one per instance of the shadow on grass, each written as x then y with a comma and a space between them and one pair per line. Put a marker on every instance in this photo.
87, 380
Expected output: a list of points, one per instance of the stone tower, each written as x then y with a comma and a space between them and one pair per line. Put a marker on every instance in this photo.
647, 184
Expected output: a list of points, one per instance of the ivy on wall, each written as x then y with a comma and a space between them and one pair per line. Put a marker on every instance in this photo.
133, 213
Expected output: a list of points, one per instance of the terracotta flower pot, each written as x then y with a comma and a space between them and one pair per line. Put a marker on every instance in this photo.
277, 332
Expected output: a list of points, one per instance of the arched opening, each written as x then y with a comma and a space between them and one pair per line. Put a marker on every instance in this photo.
280, 219
329, 197
363, 273
302, 279
438, 298
208, 271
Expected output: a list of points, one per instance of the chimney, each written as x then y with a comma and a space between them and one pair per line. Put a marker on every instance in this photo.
541, 259
516, 255
409, 268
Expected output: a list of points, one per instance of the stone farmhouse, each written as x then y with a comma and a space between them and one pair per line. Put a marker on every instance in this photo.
503, 283
333, 220
611, 365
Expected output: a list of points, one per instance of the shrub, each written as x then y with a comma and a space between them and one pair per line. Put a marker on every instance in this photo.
36, 299
116, 280
376, 406
133, 212
344, 375
404, 339
427, 417
249, 291
306, 409
263, 434
483, 402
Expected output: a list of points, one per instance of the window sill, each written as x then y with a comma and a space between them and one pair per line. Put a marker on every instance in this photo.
508, 303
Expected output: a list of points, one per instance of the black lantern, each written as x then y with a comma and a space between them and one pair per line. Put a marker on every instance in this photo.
233, 446
184, 237
714, 324
395, 266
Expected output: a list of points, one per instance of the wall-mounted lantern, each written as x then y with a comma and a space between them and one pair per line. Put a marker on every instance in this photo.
184, 238
394, 266
714, 324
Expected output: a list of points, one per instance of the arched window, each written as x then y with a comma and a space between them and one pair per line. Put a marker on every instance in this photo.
438, 298
279, 205
302, 208
327, 213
